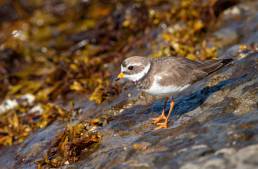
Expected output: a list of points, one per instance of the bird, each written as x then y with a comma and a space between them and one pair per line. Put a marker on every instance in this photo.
166, 77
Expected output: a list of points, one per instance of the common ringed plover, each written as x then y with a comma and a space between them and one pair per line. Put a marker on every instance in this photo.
166, 76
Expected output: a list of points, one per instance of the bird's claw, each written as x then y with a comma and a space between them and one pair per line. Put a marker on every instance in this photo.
159, 118
162, 125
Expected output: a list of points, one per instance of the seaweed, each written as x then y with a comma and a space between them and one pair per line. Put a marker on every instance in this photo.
75, 141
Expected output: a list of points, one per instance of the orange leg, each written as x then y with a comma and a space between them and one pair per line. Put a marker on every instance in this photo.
165, 123
162, 116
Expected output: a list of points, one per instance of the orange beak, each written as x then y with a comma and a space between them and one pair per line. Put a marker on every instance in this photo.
121, 75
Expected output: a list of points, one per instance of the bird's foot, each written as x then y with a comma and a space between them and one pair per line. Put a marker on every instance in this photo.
159, 118
157, 121
162, 125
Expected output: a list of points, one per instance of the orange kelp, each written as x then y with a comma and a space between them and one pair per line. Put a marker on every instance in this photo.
76, 140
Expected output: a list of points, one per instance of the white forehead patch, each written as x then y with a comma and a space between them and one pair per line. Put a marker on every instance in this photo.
123, 68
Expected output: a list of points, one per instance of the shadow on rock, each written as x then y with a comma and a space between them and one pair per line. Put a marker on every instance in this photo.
188, 103
183, 104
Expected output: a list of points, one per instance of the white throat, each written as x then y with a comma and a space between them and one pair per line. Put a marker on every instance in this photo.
140, 75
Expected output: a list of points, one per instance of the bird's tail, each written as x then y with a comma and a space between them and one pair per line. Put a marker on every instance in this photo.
212, 66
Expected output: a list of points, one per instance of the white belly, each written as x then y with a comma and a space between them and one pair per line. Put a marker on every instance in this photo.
158, 90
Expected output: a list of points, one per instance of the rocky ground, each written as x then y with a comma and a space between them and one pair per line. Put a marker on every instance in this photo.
218, 128
214, 126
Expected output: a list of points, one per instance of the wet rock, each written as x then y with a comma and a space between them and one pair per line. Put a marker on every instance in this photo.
210, 137
237, 24
227, 36
214, 123
36, 145
231, 158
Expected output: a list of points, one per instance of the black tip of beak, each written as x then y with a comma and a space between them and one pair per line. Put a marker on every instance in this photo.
117, 79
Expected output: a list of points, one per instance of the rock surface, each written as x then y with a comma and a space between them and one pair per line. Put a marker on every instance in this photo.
217, 128
215, 120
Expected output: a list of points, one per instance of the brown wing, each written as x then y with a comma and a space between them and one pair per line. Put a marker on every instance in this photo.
178, 70
183, 71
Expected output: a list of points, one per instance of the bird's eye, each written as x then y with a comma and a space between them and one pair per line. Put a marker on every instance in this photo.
130, 68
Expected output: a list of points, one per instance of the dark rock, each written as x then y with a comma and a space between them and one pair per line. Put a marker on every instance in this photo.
223, 118
214, 123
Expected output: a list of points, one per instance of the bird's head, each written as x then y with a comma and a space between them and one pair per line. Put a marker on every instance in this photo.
134, 68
